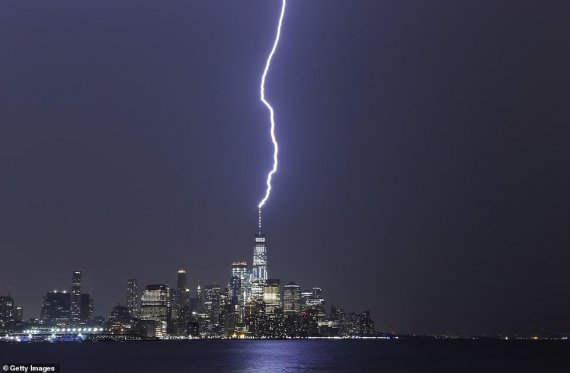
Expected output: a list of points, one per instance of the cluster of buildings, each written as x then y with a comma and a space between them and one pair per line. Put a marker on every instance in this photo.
249, 305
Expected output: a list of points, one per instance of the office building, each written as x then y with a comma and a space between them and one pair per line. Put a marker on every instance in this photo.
155, 306
292, 299
259, 268
75, 313
272, 296
6, 308
133, 297
182, 290
56, 307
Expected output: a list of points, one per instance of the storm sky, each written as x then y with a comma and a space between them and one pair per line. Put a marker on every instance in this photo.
424, 153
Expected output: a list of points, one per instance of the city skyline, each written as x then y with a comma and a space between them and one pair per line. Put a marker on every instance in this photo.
249, 276
249, 305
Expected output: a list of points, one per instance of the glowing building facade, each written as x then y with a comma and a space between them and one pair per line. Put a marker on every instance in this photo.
155, 306
272, 296
259, 268
292, 299
240, 283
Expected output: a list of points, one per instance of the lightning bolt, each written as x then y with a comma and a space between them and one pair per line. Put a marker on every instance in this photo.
271, 112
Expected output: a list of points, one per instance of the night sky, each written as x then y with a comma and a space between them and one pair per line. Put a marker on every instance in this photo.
425, 150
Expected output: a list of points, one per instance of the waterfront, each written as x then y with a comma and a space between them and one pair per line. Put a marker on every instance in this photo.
413, 355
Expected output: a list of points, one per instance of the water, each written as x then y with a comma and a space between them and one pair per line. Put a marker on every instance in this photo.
293, 356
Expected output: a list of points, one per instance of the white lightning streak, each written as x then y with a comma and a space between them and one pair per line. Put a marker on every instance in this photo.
268, 105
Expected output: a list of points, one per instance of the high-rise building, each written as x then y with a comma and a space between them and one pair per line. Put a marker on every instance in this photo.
75, 314
212, 304
182, 290
6, 308
313, 300
305, 295
56, 307
133, 297
234, 309
259, 268
86, 308
292, 298
239, 270
155, 306
272, 296
317, 293
240, 283
19, 313
235, 290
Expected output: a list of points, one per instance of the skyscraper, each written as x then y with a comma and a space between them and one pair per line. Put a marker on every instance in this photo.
85, 308
239, 269
56, 307
313, 300
292, 298
18, 313
239, 289
133, 297
6, 308
272, 296
211, 299
259, 268
182, 290
155, 306
75, 311
241, 278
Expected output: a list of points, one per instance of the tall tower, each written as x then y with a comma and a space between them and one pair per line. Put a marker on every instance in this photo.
75, 314
182, 290
240, 288
259, 268
133, 297
240, 272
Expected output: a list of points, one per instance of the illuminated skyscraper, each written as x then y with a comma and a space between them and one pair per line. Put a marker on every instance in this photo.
272, 296
240, 272
212, 304
239, 269
239, 289
292, 298
155, 306
133, 297
313, 300
259, 268
75, 312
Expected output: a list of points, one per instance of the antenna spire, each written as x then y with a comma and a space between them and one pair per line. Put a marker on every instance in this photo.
259, 220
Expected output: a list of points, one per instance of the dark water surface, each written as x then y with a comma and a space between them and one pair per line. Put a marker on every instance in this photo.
293, 356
